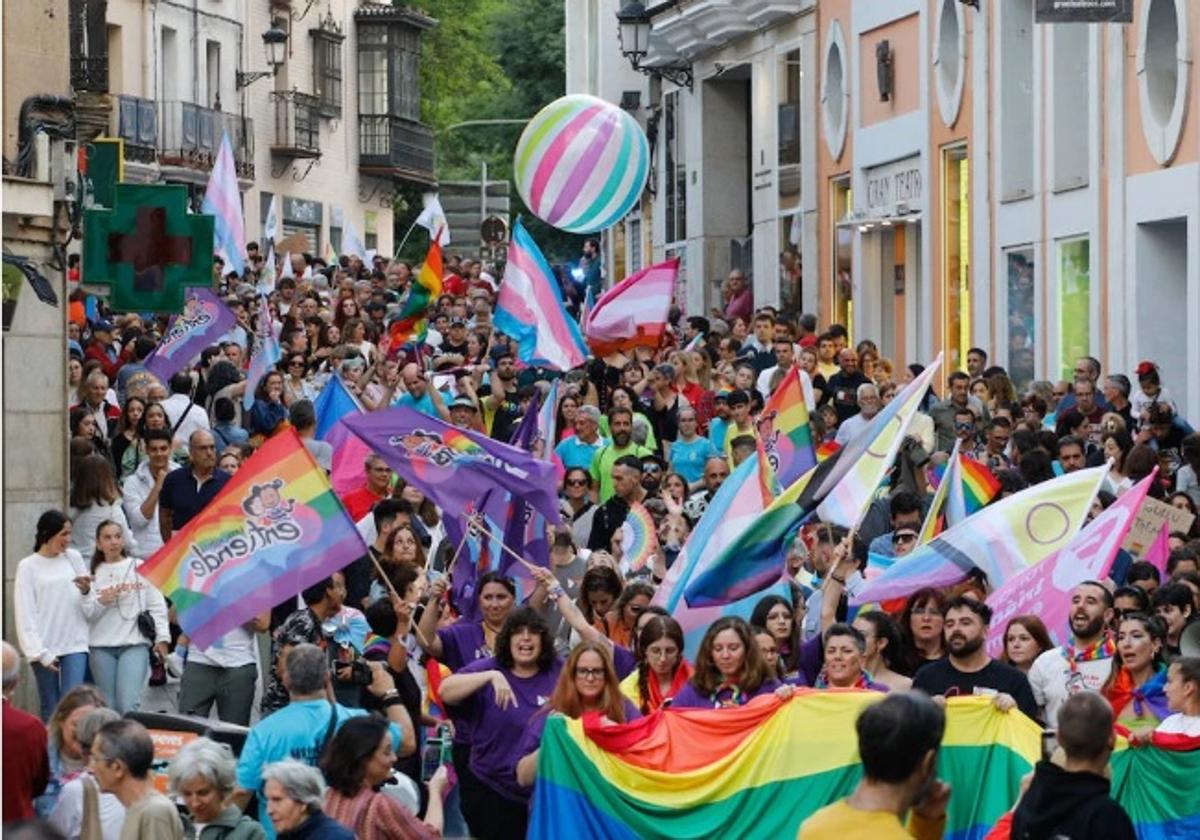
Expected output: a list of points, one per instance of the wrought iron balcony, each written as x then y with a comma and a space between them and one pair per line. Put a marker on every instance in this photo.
395, 147
89, 73
191, 137
137, 125
297, 125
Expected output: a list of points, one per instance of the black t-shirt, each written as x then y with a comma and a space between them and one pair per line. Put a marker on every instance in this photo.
843, 392
941, 677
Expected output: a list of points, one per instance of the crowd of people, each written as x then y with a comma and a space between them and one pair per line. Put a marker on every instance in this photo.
374, 709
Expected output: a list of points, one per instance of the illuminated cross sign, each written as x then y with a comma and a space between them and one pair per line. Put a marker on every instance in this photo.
148, 249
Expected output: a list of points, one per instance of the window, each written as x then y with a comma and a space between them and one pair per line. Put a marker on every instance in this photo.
170, 65
1016, 98
1163, 69
791, 271
371, 230
956, 250
634, 245
840, 201
389, 71
1071, 131
1022, 322
327, 67
675, 169
212, 56
789, 130
834, 93
1074, 309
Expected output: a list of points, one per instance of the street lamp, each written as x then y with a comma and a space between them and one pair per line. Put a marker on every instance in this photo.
633, 32
274, 45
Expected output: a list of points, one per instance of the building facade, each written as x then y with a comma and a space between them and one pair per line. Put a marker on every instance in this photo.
328, 133
950, 174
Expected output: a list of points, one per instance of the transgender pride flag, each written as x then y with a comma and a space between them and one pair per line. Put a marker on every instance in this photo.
530, 309
223, 201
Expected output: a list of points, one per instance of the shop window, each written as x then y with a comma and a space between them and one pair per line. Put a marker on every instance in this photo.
1074, 305
675, 168
1022, 320
956, 263
840, 202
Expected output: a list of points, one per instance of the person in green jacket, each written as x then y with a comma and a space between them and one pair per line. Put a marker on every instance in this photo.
203, 776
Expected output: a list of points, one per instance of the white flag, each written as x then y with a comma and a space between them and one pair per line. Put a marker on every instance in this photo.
266, 280
352, 244
433, 219
287, 267
271, 228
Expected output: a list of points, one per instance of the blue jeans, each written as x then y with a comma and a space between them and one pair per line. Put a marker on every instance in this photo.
120, 673
72, 668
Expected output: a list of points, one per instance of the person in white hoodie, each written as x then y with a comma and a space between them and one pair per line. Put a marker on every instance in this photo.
119, 651
142, 488
52, 631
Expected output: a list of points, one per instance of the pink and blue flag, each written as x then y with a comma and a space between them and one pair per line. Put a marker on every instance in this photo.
223, 201
204, 319
265, 353
332, 404
530, 309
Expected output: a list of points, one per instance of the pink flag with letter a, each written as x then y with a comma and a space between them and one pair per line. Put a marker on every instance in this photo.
1044, 589
1158, 551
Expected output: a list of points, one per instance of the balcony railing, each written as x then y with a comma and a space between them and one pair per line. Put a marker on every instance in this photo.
137, 125
191, 137
397, 147
297, 125
89, 73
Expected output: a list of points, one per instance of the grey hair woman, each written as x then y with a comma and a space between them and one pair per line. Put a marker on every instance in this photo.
202, 776
295, 793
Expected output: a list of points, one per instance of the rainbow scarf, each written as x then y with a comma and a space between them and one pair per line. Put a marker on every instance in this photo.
1102, 648
725, 773
863, 682
1149, 699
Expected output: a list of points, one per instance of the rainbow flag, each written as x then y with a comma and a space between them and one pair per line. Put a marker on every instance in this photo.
411, 323
1007, 537
759, 771
784, 437
274, 529
1151, 784
827, 449
979, 486
530, 309
639, 539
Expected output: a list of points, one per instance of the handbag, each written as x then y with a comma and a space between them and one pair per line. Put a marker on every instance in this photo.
90, 827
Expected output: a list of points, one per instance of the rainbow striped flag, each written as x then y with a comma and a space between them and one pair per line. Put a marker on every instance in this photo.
784, 437
935, 519
760, 770
827, 449
639, 539
275, 528
979, 485
530, 309
411, 324
1151, 784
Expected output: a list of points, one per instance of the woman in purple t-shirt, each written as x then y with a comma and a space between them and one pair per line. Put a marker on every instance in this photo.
730, 670
498, 695
588, 683
845, 655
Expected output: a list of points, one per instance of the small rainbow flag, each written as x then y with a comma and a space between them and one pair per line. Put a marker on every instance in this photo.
275, 528
785, 444
411, 324
639, 539
979, 485
727, 773
827, 449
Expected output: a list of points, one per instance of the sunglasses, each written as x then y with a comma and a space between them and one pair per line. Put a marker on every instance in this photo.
962, 427
905, 537
576, 482
653, 469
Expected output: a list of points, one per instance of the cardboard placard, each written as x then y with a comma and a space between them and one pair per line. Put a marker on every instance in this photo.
1150, 518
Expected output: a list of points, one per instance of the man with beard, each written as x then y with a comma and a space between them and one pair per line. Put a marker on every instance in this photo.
967, 668
501, 404
898, 741
620, 423
610, 516
1084, 663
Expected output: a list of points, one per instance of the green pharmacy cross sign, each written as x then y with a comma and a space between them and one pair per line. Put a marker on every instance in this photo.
148, 248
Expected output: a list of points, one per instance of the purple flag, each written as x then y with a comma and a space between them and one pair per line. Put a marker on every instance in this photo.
204, 319
455, 467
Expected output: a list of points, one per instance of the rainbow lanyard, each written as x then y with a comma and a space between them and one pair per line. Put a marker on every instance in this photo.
1104, 648
735, 698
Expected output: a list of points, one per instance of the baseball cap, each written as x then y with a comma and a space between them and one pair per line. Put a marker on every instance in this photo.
463, 401
102, 326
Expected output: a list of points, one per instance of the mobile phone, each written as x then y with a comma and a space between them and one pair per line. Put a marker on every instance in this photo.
434, 754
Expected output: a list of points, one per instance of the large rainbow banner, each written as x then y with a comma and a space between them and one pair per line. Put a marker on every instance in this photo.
760, 770
273, 530
1157, 786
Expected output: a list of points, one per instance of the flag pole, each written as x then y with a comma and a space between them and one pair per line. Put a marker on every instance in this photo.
407, 234
503, 547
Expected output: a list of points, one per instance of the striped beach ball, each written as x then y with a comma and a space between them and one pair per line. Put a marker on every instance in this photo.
581, 163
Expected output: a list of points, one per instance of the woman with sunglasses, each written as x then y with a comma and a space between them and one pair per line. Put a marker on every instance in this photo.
576, 505
296, 384
587, 684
